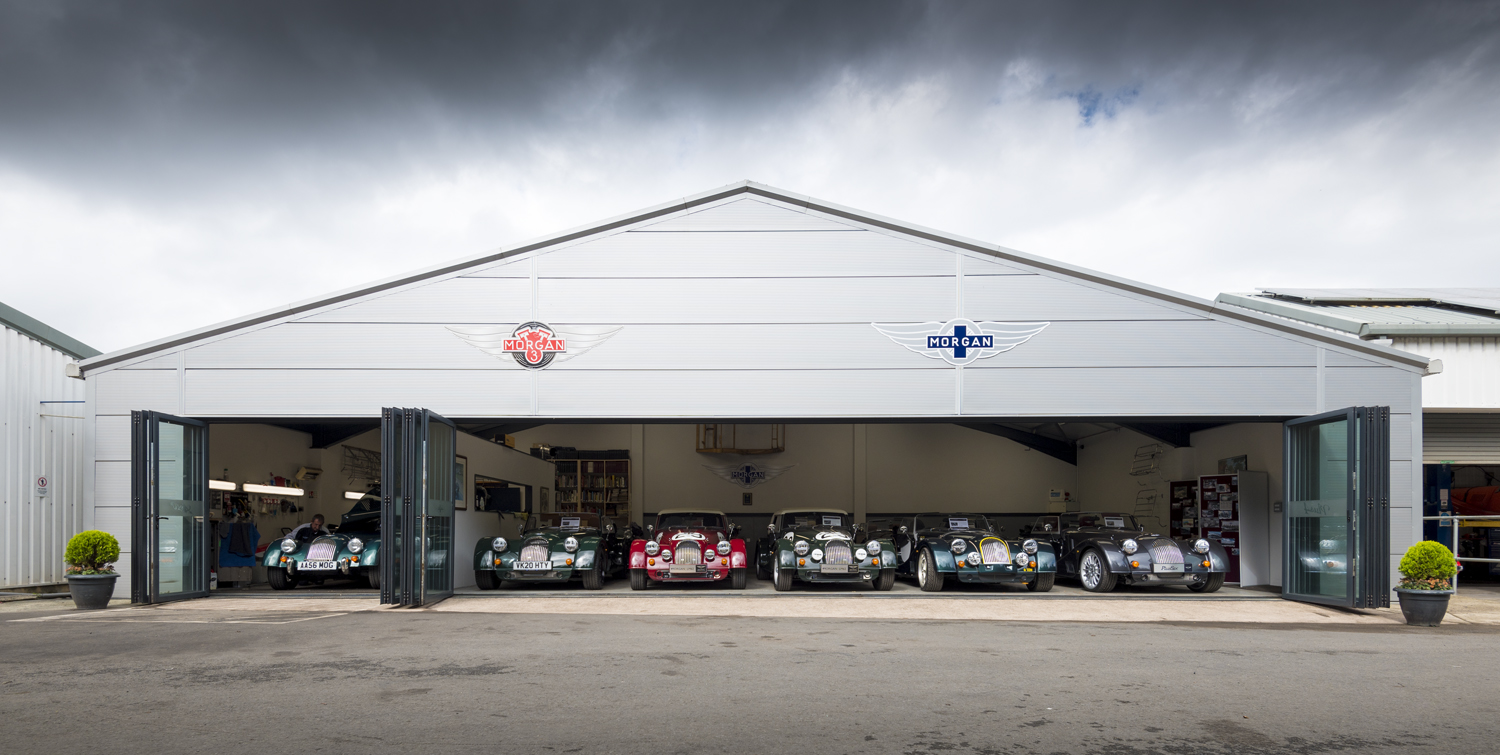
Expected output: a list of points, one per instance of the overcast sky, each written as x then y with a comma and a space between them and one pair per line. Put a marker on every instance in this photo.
165, 166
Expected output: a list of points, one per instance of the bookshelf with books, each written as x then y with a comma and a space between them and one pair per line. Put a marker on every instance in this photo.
601, 485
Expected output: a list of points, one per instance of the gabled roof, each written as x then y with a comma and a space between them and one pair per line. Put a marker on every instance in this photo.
34, 328
1383, 312
1284, 326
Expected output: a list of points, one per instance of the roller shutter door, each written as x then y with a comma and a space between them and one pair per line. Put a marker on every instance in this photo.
1461, 438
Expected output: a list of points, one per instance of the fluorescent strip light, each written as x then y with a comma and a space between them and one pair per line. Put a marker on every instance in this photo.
220, 485
272, 489
353, 495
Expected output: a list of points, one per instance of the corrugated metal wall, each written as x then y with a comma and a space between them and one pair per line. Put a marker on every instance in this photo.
1469, 369
34, 529
1461, 438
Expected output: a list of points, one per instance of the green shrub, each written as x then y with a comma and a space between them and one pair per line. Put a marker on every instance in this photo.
91, 552
1427, 565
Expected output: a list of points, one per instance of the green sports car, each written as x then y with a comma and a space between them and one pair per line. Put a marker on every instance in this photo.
823, 545
351, 552
554, 547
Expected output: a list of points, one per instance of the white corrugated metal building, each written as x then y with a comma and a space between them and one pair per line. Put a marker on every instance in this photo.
1460, 327
42, 438
754, 305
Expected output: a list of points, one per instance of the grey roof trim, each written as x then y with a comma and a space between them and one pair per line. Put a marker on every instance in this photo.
1486, 300
1354, 326
748, 187
34, 328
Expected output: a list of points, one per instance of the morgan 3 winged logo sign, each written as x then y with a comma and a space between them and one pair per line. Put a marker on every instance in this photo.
533, 344
960, 341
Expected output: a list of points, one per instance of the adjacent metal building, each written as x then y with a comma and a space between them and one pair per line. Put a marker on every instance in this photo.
42, 452
1458, 327
750, 303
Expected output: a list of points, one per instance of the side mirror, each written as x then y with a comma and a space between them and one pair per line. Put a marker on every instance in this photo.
902, 529
1046, 528
734, 529
650, 529
771, 528
609, 529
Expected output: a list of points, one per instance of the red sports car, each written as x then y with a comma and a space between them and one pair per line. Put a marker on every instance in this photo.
689, 545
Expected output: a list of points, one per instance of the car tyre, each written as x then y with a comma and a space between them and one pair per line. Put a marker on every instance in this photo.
486, 579
928, 577
639, 580
886, 580
1094, 573
372, 577
782, 579
280, 578
1043, 582
593, 579
1212, 584
737, 578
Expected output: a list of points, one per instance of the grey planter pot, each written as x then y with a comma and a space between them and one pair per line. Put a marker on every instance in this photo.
91, 592
1424, 608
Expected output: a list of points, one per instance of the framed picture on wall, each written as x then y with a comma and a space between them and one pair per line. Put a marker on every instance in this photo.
1234, 464
460, 483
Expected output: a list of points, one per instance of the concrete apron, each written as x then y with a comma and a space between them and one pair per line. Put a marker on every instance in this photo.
1101, 610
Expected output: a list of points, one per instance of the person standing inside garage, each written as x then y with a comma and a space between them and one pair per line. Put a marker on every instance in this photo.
316, 526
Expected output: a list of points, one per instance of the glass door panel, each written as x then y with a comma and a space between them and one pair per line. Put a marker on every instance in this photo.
439, 488
1337, 523
169, 480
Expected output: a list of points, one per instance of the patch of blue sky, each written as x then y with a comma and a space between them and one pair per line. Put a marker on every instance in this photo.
1093, 103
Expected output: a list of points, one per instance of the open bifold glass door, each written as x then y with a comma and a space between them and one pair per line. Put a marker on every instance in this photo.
417, 488
169, 508
1336, 527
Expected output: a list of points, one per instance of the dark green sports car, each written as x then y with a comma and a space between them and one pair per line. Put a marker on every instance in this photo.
553, 548
823, 545
351, 552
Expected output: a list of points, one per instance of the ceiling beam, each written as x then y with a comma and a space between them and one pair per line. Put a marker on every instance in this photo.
1057, 449
1174, 434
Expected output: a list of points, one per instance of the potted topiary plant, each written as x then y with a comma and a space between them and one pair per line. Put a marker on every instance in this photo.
91, 578
1427, 572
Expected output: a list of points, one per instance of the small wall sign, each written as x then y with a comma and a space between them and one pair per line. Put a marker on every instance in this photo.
41, 487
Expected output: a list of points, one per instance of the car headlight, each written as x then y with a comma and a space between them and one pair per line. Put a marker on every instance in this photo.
288, 545
974, 558
709, 552
1129, 546
873, 546
724, 549
1029, 546
652, 547
666, 555
498, 545
571, 544
817, 554
801, 547
356, 545
959, 546
1021, 559
1201, 546
861, 554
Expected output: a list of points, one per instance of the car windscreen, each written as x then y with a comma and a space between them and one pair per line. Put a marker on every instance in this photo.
815, 519
562, 521
1106, 521
953, 522
691, 521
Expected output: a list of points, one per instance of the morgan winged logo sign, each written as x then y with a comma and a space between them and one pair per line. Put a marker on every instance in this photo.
747, 475
533, 345
960, 341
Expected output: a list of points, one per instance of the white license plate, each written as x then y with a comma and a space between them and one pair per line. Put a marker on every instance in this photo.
534, 565
318, 566
835, 568
1160, 568
684, 569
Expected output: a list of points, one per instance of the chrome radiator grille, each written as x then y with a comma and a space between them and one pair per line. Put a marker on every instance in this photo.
1165, 551
688, 553
838, 553
994, 551
535, 552
322, 549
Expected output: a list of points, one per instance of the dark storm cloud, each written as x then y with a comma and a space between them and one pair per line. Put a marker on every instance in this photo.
174, 94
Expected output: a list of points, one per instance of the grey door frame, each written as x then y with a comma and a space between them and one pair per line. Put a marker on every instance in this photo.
145, 506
